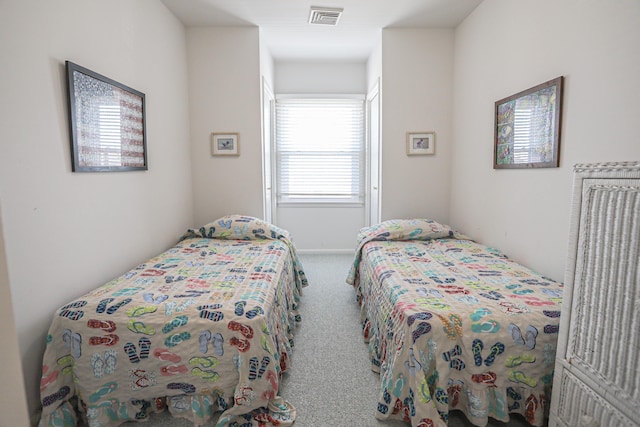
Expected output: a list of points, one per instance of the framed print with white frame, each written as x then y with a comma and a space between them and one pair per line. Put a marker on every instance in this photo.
421, 143
225, 144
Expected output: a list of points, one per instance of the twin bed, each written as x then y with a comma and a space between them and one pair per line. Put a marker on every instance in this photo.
206, 326
453, 325
205, 330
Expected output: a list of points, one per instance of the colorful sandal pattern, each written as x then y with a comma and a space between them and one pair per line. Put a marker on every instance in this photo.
255, 370
105, 325
210, 312
217, 341
58, 395
104, 363
70, 311
73, 342
132, 352
156, 312
103, 305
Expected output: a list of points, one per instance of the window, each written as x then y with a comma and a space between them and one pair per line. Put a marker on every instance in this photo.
522, 147
319, 150
109, 135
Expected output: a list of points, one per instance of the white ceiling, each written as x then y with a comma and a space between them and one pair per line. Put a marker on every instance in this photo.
288, 35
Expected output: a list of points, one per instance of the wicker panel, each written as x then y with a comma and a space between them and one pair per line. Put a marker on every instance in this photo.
580, 406
597, 379
607, 319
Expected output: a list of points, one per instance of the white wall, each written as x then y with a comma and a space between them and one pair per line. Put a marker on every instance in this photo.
224, 96
266, 122
374, 126
266, 62
506, 46
417, 79
67, 233
13, 402
322, 77
374, 65
321, 228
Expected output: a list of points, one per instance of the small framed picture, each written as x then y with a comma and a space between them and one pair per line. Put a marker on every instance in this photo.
421, 143
224, 144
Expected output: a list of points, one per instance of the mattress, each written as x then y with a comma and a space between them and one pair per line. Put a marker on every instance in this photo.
203, 328
454, 325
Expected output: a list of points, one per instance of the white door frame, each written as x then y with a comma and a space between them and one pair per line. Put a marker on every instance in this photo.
373, 162
374, 156
268, 120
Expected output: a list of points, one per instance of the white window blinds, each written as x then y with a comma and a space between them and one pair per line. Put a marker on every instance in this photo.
320, 150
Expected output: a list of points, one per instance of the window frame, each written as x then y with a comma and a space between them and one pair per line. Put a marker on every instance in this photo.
359, 199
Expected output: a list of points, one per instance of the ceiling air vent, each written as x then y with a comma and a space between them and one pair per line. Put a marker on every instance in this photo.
325, 15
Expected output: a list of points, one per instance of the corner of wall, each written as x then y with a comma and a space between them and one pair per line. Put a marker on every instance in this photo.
13, 406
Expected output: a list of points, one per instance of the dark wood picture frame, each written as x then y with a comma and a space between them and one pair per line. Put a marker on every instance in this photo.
106, 123
527, 128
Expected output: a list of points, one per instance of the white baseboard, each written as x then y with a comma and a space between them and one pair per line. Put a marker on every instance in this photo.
326, 251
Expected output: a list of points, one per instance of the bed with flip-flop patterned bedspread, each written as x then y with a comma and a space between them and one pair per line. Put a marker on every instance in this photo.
453, 325
204, 330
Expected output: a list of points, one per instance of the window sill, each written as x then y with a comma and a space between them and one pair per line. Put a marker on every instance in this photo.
320, 204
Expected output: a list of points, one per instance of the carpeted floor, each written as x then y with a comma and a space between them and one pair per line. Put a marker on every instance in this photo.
330, 381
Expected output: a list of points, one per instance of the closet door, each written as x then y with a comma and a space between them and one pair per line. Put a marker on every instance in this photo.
597, 375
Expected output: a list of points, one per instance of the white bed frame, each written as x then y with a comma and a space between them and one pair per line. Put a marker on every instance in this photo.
597, 373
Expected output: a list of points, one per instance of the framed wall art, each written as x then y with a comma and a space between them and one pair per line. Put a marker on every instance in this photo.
527, 128
106, 123
224, 144
421, 143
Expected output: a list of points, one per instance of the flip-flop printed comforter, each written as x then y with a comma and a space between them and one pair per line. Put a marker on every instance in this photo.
206, 326
454, 325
